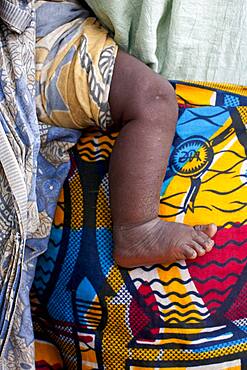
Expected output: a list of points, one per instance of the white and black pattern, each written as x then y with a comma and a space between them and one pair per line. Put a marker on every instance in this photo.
19, 151
106, 64
95, 89
99, 89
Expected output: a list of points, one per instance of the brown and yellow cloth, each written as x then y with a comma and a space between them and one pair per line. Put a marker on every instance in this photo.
75, 58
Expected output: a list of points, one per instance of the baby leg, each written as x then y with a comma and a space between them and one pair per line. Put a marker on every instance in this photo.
144, 104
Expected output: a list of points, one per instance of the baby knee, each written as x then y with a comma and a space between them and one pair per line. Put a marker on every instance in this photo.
159, 102
160, 91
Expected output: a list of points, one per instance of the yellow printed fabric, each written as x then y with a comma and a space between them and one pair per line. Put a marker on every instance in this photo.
190, 315
75, 57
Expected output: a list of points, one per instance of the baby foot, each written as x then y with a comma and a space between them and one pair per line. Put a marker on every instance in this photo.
157, 241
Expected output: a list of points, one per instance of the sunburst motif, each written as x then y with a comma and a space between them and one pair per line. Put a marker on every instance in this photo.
191, 157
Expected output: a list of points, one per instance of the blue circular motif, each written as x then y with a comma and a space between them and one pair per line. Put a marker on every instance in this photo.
191, 157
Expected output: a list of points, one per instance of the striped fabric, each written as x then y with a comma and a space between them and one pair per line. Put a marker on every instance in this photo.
14, 16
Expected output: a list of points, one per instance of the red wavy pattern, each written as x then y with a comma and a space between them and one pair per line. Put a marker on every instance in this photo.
229, 243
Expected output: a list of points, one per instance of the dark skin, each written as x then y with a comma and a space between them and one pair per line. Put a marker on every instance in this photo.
144, 104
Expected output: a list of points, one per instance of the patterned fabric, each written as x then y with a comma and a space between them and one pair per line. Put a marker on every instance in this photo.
75, 60
19, 145
34, 164
90, 314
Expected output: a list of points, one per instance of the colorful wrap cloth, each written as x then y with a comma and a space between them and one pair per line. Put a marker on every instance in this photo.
19, 146
34, 163
90, 314
75, 57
